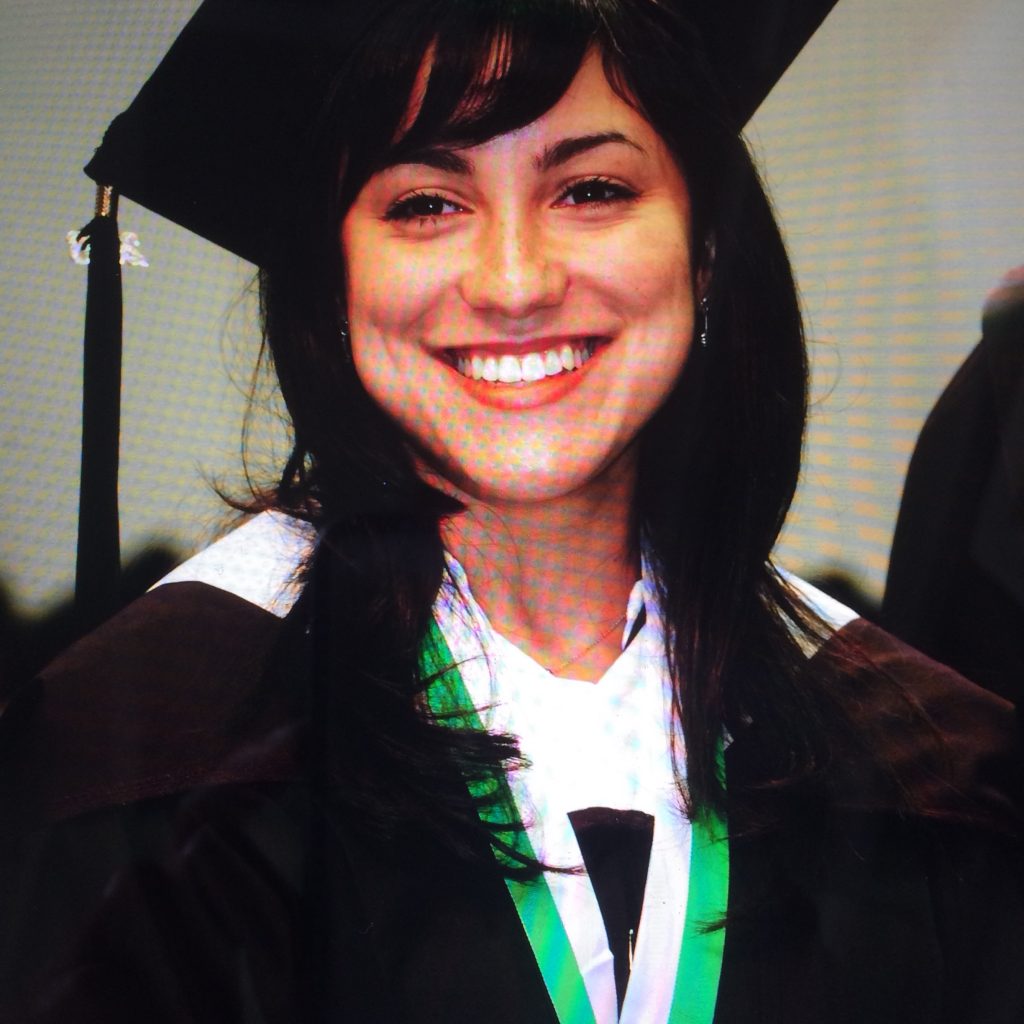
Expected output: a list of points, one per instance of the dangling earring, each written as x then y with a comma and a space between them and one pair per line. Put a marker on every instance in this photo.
346, 340
705, 307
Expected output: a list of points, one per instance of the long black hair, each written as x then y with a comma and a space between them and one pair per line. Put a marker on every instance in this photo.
718, 463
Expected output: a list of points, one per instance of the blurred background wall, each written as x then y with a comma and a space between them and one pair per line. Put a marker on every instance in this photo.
894, 149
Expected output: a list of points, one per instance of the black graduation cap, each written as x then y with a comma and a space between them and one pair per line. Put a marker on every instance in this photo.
207, 143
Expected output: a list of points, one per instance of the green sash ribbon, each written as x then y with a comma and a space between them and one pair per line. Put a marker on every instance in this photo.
700, 956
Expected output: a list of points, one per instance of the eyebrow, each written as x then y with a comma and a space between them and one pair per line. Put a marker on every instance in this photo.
443, 158
564, 150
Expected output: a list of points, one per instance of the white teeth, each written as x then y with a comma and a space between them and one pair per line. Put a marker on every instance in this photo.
534, 366
510, 370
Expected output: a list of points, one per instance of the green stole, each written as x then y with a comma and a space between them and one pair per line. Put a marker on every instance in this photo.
700, 956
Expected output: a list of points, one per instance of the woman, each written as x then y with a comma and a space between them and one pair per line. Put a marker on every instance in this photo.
541, 350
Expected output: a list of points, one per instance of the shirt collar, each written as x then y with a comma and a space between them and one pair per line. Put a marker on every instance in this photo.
641, 600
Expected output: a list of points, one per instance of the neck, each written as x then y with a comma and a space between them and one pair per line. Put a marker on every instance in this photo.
554, 576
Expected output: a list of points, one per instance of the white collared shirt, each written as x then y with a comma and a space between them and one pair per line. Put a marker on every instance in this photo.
604, 744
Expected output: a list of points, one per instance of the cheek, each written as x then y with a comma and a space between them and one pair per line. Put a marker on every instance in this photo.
374, 293
374, 302
651, 275
395, 302
660, 297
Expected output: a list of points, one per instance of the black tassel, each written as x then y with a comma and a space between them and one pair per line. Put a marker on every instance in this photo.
98, 567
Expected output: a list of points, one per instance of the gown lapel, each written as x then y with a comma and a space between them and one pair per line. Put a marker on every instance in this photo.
445, 939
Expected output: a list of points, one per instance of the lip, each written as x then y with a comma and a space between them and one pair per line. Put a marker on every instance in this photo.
524, 395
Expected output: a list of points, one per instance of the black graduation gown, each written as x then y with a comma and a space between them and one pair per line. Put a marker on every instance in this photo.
163, 859
955, 587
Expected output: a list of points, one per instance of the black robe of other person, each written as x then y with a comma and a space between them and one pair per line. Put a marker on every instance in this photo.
956, 574
163, 859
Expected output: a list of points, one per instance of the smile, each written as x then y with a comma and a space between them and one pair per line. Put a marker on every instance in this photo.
527, 368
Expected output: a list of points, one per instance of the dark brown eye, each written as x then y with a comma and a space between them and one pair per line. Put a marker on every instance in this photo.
594, 191
421, 206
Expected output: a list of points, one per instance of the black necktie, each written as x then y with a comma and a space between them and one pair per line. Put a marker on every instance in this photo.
616, 848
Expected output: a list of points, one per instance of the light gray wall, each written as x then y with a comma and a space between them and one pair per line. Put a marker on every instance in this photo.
895, 152
894, 148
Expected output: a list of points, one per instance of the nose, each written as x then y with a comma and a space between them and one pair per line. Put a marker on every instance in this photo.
514, 269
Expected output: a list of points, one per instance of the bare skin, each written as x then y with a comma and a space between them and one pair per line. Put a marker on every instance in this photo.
554, 577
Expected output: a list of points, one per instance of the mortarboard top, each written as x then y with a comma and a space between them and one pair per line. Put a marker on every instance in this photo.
207, 140
209, 143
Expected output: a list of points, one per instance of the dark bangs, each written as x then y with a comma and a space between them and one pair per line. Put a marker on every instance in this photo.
489, 78
493, 66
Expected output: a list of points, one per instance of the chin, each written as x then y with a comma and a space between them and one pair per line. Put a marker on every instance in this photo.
522, 490
523, 484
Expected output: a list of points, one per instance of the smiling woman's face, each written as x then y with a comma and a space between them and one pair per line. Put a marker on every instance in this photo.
521, 308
